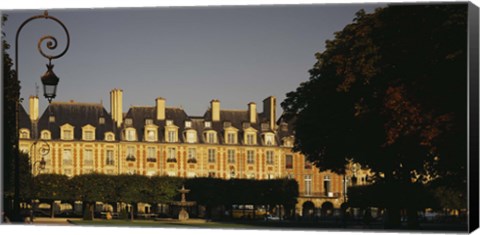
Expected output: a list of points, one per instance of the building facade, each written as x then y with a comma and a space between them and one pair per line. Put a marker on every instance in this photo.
159, 140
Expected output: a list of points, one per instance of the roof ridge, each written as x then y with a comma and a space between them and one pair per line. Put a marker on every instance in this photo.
234, 110
75, 103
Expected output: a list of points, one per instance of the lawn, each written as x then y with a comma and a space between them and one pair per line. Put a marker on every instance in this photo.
162, 224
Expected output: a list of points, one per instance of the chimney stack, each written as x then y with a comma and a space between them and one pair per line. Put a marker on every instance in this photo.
33, 108
252, 112
215, 108
116, 106
160, 108
269, 111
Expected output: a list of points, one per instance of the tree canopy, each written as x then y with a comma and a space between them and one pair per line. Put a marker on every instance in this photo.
389, 91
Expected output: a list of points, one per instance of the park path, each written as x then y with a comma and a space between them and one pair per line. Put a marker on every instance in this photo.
53, 221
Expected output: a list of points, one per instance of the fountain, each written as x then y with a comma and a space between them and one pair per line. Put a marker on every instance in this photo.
183, 215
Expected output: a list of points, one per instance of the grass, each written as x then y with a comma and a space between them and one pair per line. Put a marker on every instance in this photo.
161, 224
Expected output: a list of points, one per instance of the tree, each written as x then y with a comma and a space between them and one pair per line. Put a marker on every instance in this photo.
11, 90
90, 188
389, 92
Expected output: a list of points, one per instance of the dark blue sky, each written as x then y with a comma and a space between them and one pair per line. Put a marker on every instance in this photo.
187, 55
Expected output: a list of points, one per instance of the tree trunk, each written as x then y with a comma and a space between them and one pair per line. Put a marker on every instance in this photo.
412, 218
88, 209
52, 209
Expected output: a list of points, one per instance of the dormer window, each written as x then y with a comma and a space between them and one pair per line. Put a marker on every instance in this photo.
188, 124
130, 134
169, 122
88, 132
128, 121
210, 137
51, 119
45, 135
250, 139
66, 132
227, 124
150, 136
269, 139
24, 134
101, 120
88, 135
246, 125
208, 124
172, 136
191, 136
148, 121
109, 136
231, 138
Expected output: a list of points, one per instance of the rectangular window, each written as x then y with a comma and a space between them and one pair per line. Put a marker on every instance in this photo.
51, 118
88, 157
308, 184
109, 158
192, 153
250, 139
211, 155
169, 122
211, 138
231, 138
289, 161
188, 124
67, 157
101, 120
250, 156
327, 187
67, 134
172, 154
208, 124
130, 153
148, 121
270, 156
211, 174
231, 155
128, 121
171, 136
88, 135
151, 154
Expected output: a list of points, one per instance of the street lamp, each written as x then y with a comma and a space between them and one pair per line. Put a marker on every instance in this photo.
49, 81
44, 150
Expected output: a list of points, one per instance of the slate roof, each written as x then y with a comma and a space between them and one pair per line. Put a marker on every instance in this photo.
24, 120
140, 114
77, 115
81, 114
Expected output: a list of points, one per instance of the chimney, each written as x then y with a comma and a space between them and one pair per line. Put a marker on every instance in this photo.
252, 112
160, 108
33, 108
116, 106
269, 111
215, 108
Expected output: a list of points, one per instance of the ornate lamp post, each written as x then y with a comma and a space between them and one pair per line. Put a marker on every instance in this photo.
44, 150
49, 81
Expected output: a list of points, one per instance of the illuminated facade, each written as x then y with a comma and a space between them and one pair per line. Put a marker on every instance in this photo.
160, 140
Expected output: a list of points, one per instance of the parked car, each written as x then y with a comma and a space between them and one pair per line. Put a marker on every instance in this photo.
271, 218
